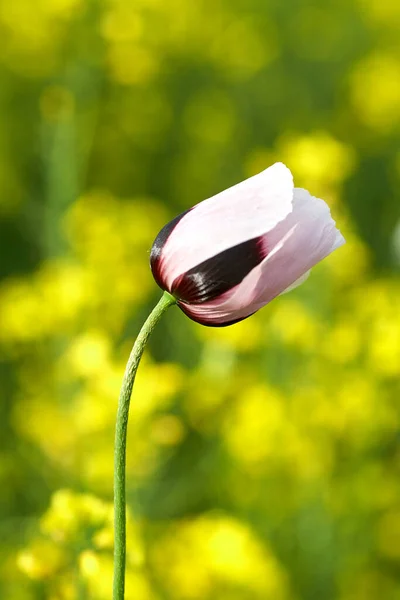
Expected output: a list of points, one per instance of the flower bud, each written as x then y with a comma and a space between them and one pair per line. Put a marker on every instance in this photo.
228, 256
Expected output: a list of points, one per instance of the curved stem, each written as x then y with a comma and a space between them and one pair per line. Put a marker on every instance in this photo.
120, 444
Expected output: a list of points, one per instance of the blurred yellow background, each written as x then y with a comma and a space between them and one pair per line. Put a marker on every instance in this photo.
263, 459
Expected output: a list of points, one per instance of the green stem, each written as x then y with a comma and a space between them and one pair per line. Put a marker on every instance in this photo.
120, 444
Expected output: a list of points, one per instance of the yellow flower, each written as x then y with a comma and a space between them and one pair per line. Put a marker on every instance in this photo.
375, 84
211, 552
41, 559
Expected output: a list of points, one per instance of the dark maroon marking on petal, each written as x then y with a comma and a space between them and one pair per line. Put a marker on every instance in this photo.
210, 323
158, 245
217, 275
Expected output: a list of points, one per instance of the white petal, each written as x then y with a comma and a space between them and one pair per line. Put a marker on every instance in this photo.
242, 212
304, 238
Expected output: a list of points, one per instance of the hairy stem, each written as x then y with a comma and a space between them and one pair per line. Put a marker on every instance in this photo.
120, 444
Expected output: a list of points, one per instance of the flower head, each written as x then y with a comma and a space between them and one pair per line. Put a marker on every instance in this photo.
230, 255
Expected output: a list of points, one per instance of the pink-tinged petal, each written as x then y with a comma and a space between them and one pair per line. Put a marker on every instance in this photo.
210, 318
304, 238
243, 212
